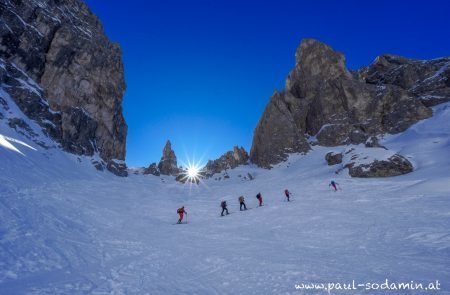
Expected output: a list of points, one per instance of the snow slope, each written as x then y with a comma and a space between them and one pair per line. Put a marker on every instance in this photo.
68, 229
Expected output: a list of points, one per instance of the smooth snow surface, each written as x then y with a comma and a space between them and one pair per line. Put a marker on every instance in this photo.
66, 228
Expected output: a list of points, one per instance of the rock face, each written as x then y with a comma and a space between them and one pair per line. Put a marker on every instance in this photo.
326, 103
61, 46
427, 80
29, 97
168, 163
276, 134
229, 160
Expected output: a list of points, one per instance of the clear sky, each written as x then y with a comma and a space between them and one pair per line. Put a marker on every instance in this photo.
201, 72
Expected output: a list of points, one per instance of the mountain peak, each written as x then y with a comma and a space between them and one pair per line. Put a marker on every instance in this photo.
316, 60
324, 100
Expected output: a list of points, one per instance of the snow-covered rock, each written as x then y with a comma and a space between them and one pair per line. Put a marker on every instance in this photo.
373, 142
374, 162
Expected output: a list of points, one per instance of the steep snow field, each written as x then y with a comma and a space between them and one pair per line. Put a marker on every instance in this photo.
67, 229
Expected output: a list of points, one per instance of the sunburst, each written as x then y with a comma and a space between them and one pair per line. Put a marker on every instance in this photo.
192, 173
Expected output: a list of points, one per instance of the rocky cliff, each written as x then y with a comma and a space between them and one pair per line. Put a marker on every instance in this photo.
326, 104
428, 80
61, 46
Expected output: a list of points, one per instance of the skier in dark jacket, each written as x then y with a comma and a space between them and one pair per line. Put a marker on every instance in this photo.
259, 197
242, 203
224, 207
287, 194
180, 212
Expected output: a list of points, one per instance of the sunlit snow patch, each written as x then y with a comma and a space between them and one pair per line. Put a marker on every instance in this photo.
5, 142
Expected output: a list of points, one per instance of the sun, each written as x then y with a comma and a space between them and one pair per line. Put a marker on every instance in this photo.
193, 172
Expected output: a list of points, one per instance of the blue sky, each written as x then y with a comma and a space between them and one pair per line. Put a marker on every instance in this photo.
201, 72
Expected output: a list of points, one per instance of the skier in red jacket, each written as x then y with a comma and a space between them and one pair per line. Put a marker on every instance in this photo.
259, 197
180, 212
334, 185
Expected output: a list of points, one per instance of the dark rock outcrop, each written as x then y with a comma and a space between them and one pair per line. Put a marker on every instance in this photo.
62, 47
98, 164
333, 158
393, 166
152, 169
229, 160
168, 163
371, 162
324, 102
117, 167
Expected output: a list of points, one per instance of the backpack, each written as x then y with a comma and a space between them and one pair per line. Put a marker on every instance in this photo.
258, 196
180, 210
223, 204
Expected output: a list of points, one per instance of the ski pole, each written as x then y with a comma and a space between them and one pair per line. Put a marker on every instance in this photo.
186, 219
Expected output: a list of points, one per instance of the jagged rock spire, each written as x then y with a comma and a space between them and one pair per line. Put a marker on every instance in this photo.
168, 163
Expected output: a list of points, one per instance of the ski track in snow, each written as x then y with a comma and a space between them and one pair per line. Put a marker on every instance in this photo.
68, 229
